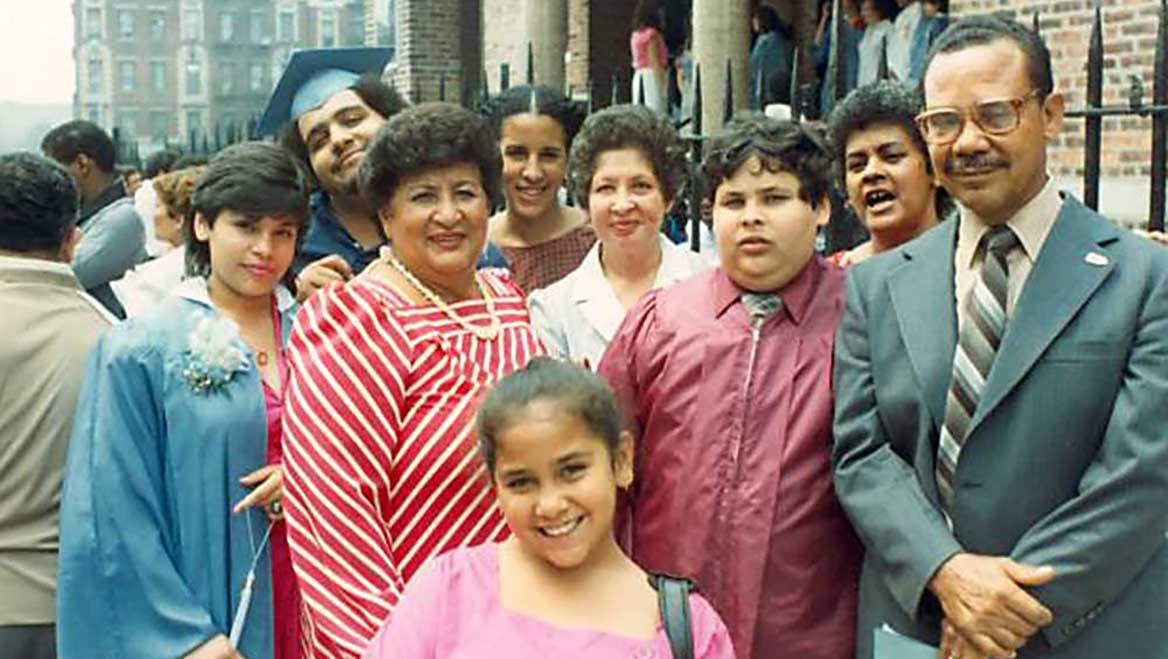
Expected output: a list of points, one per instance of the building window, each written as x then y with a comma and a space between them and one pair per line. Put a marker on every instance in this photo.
128, 127
286, 29
126, 24
93, 23
328, 28
255, 26
95, 75
126, 74
226, 26
194, 120
157, 25
158, 76
226, 78
256, 77
192, 25
159, 126
194, 76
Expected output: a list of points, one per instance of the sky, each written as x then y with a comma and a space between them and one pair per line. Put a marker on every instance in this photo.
36, 44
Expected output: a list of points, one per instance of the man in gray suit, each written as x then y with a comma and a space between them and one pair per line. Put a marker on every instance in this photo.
1000, 444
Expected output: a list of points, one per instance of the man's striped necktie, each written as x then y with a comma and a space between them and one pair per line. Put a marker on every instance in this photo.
978, 340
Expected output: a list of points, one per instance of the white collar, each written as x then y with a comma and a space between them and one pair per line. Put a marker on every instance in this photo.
195, 290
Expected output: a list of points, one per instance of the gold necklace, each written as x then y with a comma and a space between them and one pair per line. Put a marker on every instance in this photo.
484, 333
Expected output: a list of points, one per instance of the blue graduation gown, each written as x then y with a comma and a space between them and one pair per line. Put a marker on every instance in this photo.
152, 560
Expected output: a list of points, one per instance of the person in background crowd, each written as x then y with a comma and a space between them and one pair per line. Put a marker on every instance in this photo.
771, 59
627, 167
560, 586
726, 381
131, 178
145, 286
883, 165
539, 239
326, 107
49, 325
650, 57
112, 237
878, 16
386, 372
146, 199
900, 44
933, 23
851, 31
999, 421
179, 418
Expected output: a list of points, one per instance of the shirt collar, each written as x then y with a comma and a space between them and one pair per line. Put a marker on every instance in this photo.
195, 290
115, 191
1032, 224
796, 295
19, 269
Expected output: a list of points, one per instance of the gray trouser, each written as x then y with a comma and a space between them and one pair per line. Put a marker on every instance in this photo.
28, 642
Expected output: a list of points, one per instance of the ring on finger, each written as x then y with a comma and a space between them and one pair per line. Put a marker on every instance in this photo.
276, 508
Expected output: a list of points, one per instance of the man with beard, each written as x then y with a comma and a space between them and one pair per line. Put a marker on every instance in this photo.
326, 107
1000, 381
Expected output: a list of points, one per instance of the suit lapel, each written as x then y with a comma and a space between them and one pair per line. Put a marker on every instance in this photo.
922, 296
1061, 282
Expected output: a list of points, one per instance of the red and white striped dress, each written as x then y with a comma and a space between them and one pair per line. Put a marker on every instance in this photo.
381, 463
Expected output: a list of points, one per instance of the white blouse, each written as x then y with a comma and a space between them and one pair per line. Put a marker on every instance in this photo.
577, 316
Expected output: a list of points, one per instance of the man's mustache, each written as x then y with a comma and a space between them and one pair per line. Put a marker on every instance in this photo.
975, 164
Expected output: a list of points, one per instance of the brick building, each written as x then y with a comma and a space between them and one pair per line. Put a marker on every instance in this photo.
159, 69
1129, 41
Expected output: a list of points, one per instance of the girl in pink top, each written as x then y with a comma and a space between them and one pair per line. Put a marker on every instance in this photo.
551, 437
649, 57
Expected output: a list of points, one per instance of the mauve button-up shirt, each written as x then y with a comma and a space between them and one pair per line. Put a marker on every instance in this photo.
733, 480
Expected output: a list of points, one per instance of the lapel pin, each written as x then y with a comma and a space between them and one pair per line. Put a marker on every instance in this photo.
1095, 258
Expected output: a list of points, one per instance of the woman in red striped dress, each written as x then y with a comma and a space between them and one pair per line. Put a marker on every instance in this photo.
380, 462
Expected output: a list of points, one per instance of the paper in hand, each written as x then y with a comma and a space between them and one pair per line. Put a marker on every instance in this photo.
890, 644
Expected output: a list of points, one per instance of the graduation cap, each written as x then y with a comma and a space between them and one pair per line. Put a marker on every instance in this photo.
313, 76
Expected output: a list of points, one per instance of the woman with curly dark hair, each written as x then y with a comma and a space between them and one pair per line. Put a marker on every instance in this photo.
540, 239
386, 368
626, 168
883, 167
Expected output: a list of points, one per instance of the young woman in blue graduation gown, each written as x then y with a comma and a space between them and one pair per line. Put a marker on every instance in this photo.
172, 485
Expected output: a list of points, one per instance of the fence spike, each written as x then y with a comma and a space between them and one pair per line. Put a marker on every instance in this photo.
615, 90
1036, 23
697, 106
796, 100
882, 65
1093, 125
504, 77
835, 78
728, 100
640, 92
1159, 123
530, 64
442, 87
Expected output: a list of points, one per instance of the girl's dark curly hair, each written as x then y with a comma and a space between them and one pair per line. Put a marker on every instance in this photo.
628, 127
428, 136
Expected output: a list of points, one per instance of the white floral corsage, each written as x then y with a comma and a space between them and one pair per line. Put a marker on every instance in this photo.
213, 355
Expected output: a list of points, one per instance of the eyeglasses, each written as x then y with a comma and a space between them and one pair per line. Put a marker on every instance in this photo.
996, 116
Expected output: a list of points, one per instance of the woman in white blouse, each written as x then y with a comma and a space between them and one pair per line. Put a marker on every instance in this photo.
626, 167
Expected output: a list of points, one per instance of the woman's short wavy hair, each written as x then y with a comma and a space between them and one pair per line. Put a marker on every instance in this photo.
423, 137
628, 127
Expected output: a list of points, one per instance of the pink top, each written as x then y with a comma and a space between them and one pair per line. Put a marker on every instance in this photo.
285, 593
452, 610
640, 42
